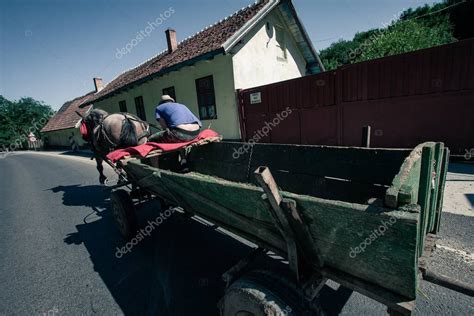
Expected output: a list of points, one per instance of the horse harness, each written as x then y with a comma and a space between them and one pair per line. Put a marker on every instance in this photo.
102, 136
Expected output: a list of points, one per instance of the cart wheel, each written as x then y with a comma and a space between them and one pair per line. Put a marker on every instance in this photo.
263, 293
124, 213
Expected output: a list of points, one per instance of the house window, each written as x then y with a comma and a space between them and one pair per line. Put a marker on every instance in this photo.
206, 98
123, 106
280, 43
140, 108
170, 91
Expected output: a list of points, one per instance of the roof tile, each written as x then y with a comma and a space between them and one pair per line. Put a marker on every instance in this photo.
206, 41
66, 117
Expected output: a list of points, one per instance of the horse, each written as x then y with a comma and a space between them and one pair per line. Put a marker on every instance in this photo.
107, 132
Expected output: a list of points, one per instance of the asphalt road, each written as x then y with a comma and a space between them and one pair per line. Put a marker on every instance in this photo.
58, 247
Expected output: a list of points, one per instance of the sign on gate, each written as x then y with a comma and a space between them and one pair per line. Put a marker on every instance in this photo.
256, 98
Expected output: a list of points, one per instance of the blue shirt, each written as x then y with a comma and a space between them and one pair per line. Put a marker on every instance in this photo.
176, 114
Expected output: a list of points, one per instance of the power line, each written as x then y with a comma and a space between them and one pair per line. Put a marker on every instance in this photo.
445, 8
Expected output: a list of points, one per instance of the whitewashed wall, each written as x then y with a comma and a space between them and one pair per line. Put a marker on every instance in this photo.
256, 60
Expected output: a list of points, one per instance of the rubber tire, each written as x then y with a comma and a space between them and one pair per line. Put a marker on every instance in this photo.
263, 293
123, 211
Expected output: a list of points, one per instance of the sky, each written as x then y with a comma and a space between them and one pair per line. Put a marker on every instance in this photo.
51, 49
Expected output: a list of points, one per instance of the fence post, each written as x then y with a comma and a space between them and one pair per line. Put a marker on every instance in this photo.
338, 87
366, 136
240, 111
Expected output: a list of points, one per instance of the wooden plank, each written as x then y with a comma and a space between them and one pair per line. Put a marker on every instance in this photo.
424, 192
328, 188
307, 184
365, 165
403, 189
259, 231
389, 261
442, 184
269, 186
408, 193
399, 303
438, 157
353, 231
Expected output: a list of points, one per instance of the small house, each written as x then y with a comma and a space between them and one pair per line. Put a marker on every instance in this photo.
260, 44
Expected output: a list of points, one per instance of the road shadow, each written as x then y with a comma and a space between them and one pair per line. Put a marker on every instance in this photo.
80, 153
176, 270
93, 196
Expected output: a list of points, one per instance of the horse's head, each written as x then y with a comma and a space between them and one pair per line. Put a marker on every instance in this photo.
88, 121
87, 125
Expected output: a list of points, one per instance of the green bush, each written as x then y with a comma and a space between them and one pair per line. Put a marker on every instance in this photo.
19, 118
422, 27
402, 37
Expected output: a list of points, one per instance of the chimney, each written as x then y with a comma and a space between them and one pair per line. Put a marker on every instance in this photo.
98, 84
171, 39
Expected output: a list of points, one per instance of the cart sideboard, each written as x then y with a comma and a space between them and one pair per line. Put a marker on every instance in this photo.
359, 216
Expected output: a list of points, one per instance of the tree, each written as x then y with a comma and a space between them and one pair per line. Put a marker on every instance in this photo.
460, 14
418, 28
337, 54
6, 125
19, 118
405, 36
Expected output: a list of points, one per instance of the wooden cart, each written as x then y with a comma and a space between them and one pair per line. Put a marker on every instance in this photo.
362, 217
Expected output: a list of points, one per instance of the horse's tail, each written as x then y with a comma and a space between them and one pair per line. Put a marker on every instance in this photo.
128, 134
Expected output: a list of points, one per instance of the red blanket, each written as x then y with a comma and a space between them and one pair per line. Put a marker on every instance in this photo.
145, 149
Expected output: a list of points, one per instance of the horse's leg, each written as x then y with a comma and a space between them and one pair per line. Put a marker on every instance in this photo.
100, 168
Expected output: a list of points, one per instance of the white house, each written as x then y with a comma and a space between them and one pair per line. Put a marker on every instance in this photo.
260, 44
60, 131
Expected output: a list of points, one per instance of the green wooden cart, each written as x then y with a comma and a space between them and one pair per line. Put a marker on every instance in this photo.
363, 217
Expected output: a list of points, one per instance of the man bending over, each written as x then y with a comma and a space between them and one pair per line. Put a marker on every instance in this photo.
178, 122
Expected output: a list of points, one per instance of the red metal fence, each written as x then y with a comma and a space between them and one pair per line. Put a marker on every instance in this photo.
426, 95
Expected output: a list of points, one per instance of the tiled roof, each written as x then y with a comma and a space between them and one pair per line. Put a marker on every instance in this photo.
206, 41
66, 117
